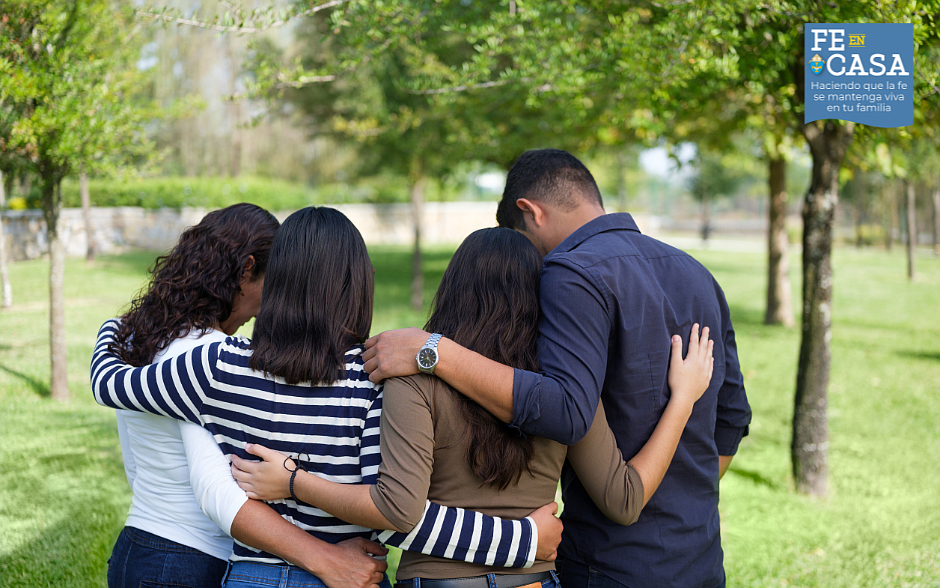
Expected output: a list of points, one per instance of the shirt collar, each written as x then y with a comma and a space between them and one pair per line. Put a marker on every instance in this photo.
615, 221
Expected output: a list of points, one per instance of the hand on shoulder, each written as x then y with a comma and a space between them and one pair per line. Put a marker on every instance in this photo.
392, 353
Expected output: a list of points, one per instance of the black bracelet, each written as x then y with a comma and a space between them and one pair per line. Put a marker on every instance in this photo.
293, 474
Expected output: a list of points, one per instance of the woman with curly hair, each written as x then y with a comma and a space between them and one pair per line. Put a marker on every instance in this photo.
201, 292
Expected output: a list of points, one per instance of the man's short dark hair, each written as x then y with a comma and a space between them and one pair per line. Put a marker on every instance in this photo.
552, 176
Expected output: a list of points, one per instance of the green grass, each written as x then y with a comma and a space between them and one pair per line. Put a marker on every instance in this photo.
63, 496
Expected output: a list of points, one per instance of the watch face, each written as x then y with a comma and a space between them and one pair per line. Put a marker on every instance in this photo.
427, 357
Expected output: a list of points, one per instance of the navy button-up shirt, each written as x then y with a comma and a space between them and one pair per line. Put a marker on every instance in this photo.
611, 300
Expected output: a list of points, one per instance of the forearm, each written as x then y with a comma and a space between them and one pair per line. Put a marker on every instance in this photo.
259, 526
483, 380
349, 502
654, 458
724, 462
178, 391
614, 487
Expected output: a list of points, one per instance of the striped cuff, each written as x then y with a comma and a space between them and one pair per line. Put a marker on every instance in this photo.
470, 536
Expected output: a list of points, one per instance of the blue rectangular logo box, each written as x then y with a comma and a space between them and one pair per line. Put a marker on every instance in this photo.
860, 72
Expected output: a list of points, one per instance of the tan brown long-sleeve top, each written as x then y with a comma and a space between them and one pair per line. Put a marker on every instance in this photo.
424, 457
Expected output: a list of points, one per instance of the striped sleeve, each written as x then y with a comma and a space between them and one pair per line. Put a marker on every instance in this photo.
174, 388
369, 454
466, 535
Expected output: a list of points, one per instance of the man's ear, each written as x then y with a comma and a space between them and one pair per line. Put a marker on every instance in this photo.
532, 210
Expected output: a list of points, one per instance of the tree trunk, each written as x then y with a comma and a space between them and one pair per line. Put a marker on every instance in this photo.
235, 156
52, 207
417, 274
6, 183
936, 221
890, 213
622, 181
910, 210
779, 304
86, 212
860, 208
810, 442
26, 185
706, 219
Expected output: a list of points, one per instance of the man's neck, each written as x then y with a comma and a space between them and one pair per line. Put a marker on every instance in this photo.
573, 220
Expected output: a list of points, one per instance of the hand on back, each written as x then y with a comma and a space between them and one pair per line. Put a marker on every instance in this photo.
549, 528
352, 565
689, 377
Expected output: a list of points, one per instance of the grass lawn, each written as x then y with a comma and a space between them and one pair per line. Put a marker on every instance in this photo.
63, 496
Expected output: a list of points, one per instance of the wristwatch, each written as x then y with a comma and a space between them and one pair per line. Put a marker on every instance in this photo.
427, 355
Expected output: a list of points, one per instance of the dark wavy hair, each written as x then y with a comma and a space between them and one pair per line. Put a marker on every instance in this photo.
317, 299
193, 286
488, 301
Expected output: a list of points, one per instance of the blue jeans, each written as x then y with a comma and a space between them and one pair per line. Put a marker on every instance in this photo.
578, 575
144, 560
551, 582
243, 574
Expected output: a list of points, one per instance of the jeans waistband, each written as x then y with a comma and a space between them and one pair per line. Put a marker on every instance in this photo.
487, 581
148, 539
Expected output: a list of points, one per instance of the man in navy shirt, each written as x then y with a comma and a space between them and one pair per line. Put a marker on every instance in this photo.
611, 299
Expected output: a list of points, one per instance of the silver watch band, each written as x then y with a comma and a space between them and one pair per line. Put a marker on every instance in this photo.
433, 340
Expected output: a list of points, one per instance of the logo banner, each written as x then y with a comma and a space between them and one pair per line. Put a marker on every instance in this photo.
860, 72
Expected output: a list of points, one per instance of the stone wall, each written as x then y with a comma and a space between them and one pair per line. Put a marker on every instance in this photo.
115, 230
120, 229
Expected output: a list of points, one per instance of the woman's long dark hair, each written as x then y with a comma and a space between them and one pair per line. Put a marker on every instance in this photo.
193, 286
488, 301
317, 299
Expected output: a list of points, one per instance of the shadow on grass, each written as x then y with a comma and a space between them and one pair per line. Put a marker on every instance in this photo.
926, 355
39, 387
754, 477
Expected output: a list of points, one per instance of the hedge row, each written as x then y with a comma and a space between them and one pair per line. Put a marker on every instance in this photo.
177, 192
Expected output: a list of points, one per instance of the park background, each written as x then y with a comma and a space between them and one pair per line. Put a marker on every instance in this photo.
406, 115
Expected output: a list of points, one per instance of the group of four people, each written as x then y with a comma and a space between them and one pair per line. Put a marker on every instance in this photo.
533, 325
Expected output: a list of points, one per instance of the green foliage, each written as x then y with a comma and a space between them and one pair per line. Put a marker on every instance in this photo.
204, 192
214, 192
67, 92
63, 495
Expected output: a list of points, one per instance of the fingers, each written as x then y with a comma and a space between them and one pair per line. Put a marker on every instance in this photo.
693, 343
711, 359
369, 344
243, 465
372, 547
263, 452
703, 344
676, 355
554, 506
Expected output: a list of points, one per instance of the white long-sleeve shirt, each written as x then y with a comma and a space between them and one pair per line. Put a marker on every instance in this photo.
165, 460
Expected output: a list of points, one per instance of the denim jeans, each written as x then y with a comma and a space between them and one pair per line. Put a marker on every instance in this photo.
144, 560
577, 575
243, 574
551, 582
